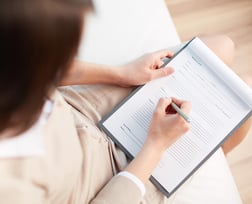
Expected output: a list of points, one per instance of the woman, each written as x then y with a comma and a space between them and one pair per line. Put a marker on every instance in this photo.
51, 151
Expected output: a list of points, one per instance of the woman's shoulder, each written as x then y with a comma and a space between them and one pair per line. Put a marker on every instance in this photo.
30, 142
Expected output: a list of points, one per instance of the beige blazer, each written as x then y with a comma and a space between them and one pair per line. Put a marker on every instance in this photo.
80, 161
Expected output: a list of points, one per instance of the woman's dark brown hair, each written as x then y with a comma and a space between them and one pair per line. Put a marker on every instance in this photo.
38, 41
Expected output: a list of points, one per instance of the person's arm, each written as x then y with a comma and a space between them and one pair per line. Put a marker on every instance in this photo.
165, 129
135, 73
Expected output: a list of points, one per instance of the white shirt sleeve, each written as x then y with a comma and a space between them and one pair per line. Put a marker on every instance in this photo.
135, 180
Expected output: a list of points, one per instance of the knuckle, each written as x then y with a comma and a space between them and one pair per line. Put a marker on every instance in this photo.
149, 77
185, 126
156, 112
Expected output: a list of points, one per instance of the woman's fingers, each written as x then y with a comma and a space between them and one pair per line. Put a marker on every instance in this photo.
185, 106
163, 53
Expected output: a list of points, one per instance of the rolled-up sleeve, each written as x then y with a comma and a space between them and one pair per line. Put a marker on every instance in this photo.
136, 180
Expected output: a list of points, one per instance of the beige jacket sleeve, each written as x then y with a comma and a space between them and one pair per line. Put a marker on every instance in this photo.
13, 192
16, 185
118, 190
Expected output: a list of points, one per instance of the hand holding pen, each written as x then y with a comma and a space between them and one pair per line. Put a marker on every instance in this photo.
174, 107
167, 124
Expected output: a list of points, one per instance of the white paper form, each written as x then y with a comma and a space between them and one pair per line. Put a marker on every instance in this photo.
216, 111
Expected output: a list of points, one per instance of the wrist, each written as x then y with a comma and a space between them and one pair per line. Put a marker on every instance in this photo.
111, 75
118, 76
154, 151
156, 144
145, 162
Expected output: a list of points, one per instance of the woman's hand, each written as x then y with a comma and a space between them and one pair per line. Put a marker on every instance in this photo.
143, 69
135, 73
167, 125
165, 128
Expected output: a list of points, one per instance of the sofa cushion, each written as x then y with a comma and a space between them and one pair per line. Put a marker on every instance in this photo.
120, 31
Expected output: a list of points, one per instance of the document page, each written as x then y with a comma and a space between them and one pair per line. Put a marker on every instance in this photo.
216, 112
